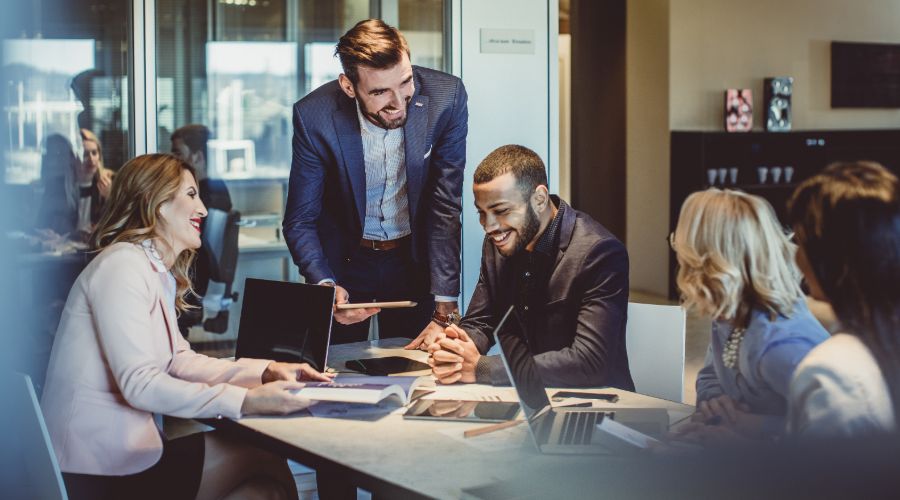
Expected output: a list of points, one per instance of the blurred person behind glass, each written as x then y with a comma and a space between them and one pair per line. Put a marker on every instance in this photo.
118, 363
189, 143
736, 265
847, 225
74, 191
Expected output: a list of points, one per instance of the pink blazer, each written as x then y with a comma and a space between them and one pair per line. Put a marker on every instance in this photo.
118, 358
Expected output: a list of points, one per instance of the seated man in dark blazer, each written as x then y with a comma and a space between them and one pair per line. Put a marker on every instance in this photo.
564, 273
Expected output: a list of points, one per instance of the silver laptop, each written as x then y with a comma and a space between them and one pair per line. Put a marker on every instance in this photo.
563, 430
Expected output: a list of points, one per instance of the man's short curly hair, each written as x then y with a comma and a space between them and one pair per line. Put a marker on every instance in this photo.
525, 165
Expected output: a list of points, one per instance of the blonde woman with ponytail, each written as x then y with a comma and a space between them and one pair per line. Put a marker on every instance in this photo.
119, 362
736, 266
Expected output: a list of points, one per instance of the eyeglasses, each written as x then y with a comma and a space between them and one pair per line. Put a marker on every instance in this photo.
671, 240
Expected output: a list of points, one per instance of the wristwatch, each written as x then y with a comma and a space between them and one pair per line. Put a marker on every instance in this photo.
445, 320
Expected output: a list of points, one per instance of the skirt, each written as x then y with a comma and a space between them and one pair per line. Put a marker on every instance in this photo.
176, 476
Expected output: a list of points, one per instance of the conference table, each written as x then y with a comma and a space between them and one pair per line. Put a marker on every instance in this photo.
395, 457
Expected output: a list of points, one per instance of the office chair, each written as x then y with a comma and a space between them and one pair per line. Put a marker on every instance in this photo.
28, 466
654, 339
220, 237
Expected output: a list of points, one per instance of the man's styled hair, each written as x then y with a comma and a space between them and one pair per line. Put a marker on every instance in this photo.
195, 136
734, 256
525, 165
371, 43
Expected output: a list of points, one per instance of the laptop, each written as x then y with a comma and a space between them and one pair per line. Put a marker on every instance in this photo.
285, 321
563, 430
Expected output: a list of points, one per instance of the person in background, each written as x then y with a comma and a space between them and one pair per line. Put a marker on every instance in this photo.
736, 265
375, 191
74, 191
189, 143
847, 225
564, 273
118, 362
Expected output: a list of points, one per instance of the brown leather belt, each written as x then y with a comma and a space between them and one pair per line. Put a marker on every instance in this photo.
383, 245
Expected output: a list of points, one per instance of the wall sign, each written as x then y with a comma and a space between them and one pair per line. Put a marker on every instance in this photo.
500, 41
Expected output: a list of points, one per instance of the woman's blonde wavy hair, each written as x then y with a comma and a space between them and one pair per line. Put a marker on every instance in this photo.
733, 257
132, 213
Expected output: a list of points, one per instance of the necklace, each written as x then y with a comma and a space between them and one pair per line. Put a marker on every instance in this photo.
732, 347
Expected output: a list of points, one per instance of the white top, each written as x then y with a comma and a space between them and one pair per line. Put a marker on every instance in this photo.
838, 391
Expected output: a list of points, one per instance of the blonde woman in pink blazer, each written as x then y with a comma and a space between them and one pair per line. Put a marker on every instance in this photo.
119, 362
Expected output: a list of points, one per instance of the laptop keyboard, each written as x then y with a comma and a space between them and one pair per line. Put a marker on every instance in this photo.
578, 427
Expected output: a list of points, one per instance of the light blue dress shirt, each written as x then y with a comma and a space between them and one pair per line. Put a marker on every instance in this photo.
769, 353
387, 205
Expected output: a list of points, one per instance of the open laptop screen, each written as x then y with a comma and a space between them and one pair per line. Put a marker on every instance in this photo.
520, 366
285, 321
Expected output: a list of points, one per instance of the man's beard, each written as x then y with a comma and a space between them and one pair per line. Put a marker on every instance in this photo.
380, 120
528, 231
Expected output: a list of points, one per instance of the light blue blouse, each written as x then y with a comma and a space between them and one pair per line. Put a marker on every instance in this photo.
768, 354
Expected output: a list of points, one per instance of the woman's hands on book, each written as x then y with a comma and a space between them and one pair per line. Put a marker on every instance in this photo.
294, 372
274, 398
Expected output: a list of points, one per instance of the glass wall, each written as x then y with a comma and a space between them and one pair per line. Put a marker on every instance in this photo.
238, 66
64, 72
64, 77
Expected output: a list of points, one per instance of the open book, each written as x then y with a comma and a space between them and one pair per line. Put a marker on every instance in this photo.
365, 389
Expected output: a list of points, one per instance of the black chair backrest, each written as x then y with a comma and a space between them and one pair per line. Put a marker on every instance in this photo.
220, 238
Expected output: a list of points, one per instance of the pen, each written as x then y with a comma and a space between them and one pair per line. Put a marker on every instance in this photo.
491, 428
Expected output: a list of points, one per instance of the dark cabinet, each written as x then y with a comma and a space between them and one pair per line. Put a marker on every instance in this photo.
770, 165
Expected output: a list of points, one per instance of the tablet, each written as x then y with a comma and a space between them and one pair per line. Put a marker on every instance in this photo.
462, 411
381, 305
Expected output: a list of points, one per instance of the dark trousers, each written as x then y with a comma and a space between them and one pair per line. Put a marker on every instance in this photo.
385, 275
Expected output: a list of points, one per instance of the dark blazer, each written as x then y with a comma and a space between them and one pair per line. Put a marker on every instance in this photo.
325, 213
579, 340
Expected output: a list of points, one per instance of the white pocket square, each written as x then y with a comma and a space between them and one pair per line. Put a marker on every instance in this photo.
428, 153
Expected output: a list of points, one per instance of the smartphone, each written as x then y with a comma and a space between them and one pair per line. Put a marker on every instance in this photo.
611, 398
381, 305
386, 365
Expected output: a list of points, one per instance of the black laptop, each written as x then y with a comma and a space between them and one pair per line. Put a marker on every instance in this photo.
285, 321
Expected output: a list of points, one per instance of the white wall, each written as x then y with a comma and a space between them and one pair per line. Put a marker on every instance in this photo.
513, 98
719, 44
683, 54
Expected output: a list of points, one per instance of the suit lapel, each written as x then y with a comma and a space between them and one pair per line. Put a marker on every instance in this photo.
346, 124
566, 229
415, 137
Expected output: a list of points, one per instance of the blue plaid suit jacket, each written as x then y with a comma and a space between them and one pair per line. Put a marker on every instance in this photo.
325, 213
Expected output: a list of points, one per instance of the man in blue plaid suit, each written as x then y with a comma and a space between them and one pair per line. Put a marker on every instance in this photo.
375, 190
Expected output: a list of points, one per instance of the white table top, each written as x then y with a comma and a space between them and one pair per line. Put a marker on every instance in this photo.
429, 458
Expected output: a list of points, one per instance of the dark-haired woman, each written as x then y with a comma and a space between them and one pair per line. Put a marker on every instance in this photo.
847, 225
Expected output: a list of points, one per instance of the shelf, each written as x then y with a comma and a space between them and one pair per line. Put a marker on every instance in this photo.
756, 187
